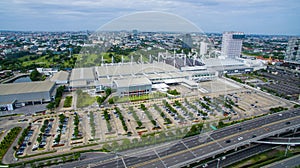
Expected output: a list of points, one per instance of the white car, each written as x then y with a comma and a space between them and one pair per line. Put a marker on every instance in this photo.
240, 138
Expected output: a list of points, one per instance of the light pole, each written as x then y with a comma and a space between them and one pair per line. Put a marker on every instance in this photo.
218, 164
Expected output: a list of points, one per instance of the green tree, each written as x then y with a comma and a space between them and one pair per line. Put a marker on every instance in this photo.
35, 75
107, 91
111, 101
51, 106
115, 145
64, 159
106, 146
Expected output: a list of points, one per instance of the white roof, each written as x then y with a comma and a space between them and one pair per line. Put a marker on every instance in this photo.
82, 83
60, 76
160, 86
26, 87
132, 82
170, 81
137, 69
189, 82
82, 74
213, 62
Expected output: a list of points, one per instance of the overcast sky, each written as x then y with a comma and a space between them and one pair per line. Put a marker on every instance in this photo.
249, 16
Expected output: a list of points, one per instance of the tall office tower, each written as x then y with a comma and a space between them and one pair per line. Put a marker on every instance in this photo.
232, 44
293, 51
203, 48
187, 41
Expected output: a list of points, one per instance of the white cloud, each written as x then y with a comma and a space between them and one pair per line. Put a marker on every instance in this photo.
205, 13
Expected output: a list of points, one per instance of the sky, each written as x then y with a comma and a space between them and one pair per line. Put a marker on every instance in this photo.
249, 16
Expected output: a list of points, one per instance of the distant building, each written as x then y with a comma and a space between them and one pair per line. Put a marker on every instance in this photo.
293, 51
203, 48
232, 44
187, 41
47, 71
21, 94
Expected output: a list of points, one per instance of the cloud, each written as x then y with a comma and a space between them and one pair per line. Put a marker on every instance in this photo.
211, 15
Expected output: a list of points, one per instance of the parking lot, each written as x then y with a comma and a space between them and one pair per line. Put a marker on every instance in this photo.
278, 82
166, 117
217, 86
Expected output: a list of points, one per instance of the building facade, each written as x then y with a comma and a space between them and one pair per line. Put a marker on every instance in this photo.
232, 44
203, 48
187, 41
293, 51
21, 94
132, 86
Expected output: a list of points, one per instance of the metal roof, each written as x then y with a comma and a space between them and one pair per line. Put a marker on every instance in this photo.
82, 74
128, 69
215, 62
132, 82
26, 87
81, 83
60, 76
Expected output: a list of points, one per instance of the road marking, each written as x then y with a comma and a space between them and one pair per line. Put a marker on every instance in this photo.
188, 148
160, 158
123, 162
209, 143
216, 141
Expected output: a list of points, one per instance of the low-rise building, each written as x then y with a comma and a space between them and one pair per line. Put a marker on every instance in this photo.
60, 78
20, 94
132, 86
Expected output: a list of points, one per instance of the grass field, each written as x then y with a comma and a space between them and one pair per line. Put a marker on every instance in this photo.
84, 99
68, 101
46, 61
139, 98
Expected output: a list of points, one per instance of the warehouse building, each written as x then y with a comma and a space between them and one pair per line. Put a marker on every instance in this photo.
60, 78
156, 72
82, 78
132, 86
20, 94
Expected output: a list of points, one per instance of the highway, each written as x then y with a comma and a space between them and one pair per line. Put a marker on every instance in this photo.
280, 141
286, 163
239, 155
207, 145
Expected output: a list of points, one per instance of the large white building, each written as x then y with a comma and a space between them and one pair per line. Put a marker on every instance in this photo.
232, 44
203, 48
60, 78
132, 86
293, 51
21, 94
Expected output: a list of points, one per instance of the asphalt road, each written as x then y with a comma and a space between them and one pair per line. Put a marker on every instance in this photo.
239, 155
86, 159
27, 110
287, 163
208, 145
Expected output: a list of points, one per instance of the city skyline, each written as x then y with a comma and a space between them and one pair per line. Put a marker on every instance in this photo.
252, 16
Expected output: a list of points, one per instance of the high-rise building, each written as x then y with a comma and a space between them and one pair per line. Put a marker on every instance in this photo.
232, 44
187, 41
293, 51
203, 48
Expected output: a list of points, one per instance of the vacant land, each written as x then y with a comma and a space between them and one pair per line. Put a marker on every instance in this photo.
84, 99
